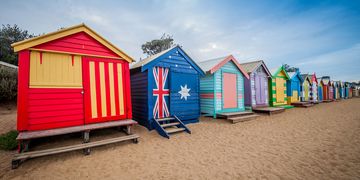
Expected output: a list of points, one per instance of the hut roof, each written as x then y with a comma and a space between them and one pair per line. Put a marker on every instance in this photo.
250, 67
277, 70
28, 43
146, 63
212, 65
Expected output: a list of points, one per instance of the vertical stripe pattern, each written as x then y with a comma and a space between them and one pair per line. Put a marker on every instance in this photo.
106, 89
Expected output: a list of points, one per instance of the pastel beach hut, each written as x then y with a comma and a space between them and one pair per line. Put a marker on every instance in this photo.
320, 90
314, 89
222, 89
341, 89
305, 87
278, 90
257, 86
166, 91
347, 90
327, 88
293, 87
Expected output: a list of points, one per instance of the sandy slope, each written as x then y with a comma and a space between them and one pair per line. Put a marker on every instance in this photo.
322, 142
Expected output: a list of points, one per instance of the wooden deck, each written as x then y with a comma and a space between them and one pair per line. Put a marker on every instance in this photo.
24, 138
269, 110
235, 117
27, 135
304, 104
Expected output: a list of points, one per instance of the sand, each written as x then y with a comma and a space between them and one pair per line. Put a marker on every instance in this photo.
321, 142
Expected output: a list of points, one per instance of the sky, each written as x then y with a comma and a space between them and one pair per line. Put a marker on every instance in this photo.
315, 36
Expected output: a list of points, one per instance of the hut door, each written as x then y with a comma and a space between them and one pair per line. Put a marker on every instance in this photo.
279, 90
160, 92
184, 94
260, 89
229, 90
103, 88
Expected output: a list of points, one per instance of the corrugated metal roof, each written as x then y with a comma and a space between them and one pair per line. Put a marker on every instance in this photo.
8, 65
207, 65
251, 66
150, 58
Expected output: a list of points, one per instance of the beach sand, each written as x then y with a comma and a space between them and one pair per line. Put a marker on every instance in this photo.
321, 142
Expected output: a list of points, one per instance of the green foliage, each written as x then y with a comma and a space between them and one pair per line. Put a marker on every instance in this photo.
8, 140
288, 68
8, 84
157, 45
8, 35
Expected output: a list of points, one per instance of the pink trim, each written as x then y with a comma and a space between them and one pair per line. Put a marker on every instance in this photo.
227, 59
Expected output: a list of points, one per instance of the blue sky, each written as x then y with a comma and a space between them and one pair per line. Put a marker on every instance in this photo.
316, 36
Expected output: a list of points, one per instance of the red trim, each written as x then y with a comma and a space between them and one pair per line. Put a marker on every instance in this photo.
127, 87
98, 91
227, 59
86, 85
72, 60
116, 86
41, 55
23, 86
107, 88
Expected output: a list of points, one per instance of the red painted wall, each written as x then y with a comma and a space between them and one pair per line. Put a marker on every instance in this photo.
78, 43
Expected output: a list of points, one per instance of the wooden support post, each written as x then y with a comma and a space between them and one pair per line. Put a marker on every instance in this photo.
86, 139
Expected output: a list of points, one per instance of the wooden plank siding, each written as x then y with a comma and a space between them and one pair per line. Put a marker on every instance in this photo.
139, 90
207, 94
275, 101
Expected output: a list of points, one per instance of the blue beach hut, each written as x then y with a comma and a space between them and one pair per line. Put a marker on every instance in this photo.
165, 91
293, 87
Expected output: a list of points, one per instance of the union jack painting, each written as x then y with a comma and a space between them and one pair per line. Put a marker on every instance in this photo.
161, 109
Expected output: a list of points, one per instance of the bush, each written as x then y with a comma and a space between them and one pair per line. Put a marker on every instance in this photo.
8, 84
8, 140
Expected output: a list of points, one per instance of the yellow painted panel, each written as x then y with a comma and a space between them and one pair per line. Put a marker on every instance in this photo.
56, 70
120, 87
295, 97
102, 88
279, 90
112, 91
93, 90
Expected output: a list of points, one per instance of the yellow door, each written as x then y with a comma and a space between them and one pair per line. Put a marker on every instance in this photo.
279, 90
306, 87
295, 96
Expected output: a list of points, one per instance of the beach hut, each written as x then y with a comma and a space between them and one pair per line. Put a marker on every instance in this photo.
165, 91
337, 90
325, 82
257, 86
222, 88
320, 90
330, 90
314, 89
277, 88
341, 89
293, 87
347, 90
71, 79
305, 87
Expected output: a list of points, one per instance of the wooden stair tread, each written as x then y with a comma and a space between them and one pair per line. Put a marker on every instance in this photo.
174, 130
58, 150
169, 124
165, 119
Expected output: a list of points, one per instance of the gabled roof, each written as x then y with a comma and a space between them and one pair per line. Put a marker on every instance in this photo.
152, 60
28, 43
306, 77
295, 74
212, 65
250, 67
313, 78
325, 80
277, 71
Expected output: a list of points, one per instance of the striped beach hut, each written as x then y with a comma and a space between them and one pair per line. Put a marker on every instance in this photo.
305, 87
327, 89
277, 88
320, 90
166, 91
314, 89
222, 88
257, 86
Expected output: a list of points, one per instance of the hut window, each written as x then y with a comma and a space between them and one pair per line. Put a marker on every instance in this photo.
52, 70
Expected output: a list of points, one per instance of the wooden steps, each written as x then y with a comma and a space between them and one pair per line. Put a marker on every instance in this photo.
268, 110
170, 125
235, 117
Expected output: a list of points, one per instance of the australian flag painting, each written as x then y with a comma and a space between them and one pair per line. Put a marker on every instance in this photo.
161, 93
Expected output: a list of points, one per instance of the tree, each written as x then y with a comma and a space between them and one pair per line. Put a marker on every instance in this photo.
288, 68
157, 45
8, 35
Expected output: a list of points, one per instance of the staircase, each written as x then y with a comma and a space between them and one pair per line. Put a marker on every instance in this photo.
170, 125
236, 117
